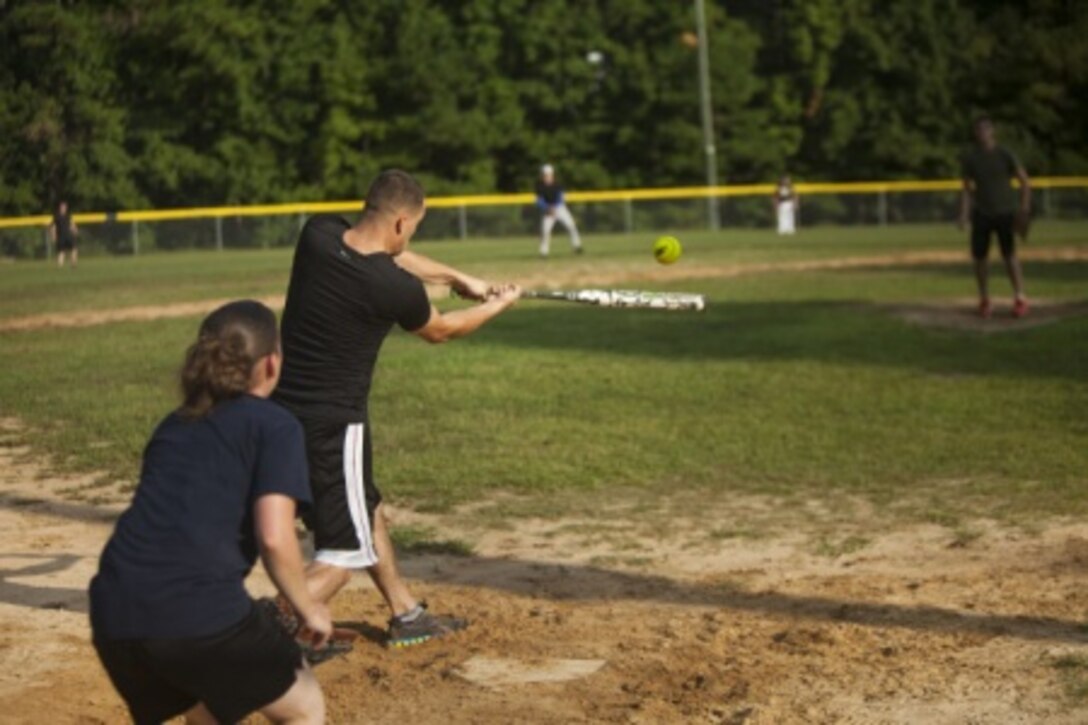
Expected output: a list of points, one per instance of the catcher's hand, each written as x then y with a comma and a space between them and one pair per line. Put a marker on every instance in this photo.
1021, 224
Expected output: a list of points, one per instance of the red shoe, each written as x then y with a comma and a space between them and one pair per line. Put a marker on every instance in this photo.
1020, 307
984, 308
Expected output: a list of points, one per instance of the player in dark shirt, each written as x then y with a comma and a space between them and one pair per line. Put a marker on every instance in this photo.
64, 232
552, 203
349, 286
221, 477
990, 204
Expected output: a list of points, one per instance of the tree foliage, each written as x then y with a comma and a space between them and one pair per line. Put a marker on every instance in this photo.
134, 103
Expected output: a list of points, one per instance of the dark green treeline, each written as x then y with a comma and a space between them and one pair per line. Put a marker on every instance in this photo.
121, 104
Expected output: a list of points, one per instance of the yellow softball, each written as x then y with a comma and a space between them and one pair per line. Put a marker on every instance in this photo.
667, 250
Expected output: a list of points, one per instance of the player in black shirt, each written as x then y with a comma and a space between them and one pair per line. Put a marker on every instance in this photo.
991, 206
63, 231
349, 286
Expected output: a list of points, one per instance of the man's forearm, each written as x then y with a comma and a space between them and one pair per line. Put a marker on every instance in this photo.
459, 323
427, 269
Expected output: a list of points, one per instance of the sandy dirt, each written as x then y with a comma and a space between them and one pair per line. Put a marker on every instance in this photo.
588, 273
915, 626
613, 620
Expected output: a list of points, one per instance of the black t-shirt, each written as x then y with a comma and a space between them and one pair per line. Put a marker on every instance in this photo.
176, 563
63, 225
992, 172
340, 306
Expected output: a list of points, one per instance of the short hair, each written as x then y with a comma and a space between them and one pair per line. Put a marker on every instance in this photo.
981, 119
394, 190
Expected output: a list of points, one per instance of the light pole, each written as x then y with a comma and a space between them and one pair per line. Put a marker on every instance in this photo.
708, 119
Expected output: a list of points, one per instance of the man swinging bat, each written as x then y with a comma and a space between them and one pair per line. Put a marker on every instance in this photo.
349, 286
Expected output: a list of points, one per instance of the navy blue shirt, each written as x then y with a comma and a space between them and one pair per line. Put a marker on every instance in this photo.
176, 563
548, 195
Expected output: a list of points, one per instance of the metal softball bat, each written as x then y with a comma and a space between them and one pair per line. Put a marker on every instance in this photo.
622, 298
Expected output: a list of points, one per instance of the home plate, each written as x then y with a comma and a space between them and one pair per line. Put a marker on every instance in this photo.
504, 671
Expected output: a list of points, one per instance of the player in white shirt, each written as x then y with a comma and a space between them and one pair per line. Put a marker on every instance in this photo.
786, 205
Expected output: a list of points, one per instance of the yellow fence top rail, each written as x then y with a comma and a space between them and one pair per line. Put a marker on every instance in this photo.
446, 202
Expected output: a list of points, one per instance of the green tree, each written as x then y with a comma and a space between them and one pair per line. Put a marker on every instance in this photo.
62, 125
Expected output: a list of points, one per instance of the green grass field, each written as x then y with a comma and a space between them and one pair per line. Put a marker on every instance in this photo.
796, 385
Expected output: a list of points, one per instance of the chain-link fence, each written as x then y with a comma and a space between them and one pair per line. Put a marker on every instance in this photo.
447, 219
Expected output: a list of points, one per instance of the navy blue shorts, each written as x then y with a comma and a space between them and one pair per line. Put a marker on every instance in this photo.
234, 672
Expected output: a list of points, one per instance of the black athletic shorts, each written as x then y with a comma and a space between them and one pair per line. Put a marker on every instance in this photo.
345, 495
982, 227
66, 244
235, 672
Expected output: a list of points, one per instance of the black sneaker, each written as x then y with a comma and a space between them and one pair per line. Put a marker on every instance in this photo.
579, 250
424, 627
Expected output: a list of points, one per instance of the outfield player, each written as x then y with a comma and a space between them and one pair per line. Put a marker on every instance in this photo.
553, 208
991, 205
64, 233
221, 477
786, 206
349, 286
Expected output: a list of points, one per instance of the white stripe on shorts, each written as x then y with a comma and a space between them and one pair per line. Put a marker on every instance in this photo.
355, 488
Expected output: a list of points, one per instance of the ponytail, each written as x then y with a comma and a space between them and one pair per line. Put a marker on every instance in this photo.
219, 365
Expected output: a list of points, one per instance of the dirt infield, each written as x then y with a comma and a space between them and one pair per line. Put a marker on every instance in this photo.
587, 273
916, 625
961, 315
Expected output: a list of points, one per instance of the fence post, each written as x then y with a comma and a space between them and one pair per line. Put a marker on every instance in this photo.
628, 216
135, 238
1046, 202
882, 208
219, 233
462, 222
48, 246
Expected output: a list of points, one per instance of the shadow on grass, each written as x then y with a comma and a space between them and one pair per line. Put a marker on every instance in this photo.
584, 583
845, 332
